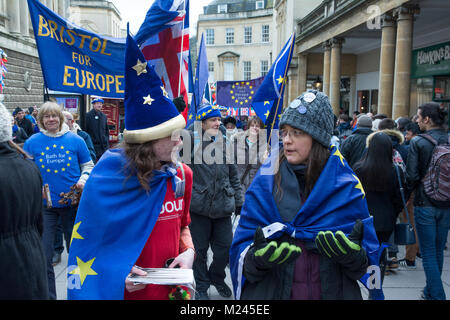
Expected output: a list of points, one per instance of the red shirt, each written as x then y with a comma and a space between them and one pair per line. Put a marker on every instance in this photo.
164, 240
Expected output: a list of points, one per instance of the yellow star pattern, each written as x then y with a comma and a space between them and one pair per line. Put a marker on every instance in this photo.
84, 269
359, 186
267, 114
339, 154
140, 67
148, 100
165, 94
280, 80
75, 234
266, 102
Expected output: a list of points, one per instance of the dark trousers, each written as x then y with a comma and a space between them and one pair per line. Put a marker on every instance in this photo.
383, 236
218, 234
59, 245
51, 216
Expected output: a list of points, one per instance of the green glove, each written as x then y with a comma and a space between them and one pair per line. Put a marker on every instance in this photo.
265, 255
340, 248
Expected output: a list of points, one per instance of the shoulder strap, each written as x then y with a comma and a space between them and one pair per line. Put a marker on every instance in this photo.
428, 138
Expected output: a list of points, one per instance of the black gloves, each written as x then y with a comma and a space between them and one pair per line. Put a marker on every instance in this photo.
344, 250
262, 256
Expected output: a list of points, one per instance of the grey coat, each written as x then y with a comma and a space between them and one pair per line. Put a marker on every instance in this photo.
216, 190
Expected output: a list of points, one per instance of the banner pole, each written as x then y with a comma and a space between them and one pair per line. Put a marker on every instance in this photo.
181, 52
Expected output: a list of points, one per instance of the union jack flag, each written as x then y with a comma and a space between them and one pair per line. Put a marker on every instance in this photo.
164, 40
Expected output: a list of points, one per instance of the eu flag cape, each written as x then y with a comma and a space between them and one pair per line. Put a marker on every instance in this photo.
335, 203
114, 220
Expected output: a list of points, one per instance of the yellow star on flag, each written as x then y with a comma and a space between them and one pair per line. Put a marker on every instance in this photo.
359, 186
267, 114
266, 102
140, 67
190, 117
165, 94
84, 269
280, 80
75, 234
148, 100
339, 154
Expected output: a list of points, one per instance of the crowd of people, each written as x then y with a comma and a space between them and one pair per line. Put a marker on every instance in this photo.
308, 230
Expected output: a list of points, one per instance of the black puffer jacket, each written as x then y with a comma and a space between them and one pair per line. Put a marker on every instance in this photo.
23, 270
419, 156
216, 189
353, 147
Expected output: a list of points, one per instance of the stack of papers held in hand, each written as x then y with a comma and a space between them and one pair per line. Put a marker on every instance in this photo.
165, 276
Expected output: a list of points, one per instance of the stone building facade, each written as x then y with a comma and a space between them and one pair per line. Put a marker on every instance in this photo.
238, 37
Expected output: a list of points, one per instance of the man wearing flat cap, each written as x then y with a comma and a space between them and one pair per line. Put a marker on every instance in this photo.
97, 127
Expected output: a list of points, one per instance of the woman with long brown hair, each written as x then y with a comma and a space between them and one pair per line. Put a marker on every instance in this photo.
301, 231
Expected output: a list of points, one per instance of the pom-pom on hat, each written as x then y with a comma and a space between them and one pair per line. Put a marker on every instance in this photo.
208, 111
5, 124
311, 112
149, 113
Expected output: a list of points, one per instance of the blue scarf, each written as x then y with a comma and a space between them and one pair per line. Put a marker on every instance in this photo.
335, 203
114, 220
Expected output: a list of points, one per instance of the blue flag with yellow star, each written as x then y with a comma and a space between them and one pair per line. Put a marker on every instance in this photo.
114, 220
268, 101
335, 203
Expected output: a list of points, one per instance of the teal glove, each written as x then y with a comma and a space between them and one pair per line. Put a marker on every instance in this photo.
265, 255
342, 249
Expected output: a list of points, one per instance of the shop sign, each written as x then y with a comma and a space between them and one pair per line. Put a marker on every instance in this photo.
431, 61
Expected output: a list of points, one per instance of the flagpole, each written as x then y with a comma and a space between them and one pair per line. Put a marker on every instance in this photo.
282, 93
181, 51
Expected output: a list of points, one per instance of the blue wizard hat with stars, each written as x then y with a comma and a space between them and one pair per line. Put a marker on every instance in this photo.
149, 113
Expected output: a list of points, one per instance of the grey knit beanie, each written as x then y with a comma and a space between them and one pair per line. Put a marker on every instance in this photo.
364, 122
5, 124
311, 112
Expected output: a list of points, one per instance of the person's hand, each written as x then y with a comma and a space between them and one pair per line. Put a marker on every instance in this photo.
130, 286
80, 185
184, 260
340, 248
266, 255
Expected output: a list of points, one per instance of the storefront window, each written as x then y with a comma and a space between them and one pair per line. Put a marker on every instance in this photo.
442, 88
424, 90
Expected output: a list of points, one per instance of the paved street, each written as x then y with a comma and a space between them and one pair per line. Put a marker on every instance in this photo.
400, 285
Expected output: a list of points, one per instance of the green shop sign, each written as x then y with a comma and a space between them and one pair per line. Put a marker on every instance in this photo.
431, 61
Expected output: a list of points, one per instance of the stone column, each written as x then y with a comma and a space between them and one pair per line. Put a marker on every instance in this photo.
24, 19
335, 74
292, 83
387, 61
13, 7
402, 72
326, 67
302, 72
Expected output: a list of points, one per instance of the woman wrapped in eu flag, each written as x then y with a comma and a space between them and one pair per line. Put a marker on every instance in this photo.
134, 211
306, 240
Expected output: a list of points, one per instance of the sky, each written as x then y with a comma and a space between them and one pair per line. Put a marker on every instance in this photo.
134, 11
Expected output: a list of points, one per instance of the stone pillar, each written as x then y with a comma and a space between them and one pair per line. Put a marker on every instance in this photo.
335, 74
387, 61
302, 72
402, 72
292, 83
24, 19
326, 67
14, 16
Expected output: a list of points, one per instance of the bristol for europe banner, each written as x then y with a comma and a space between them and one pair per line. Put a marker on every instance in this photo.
237, 94
74, 59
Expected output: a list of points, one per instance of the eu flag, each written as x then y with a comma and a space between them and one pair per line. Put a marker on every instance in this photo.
202, 73
114, 220
335, 203
268, 101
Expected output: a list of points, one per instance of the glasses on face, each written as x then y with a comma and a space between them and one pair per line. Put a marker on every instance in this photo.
292, 133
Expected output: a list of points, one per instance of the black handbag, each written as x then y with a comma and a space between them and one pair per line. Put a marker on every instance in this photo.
403, 232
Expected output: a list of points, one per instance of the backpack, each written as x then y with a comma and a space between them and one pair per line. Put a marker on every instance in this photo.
436, 182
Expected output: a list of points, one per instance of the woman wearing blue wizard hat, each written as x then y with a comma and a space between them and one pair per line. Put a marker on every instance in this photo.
134, 211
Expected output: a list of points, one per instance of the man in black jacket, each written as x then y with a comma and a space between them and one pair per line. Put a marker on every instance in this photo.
216, 194
432, 222
23, 122
353, 147
97, 127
